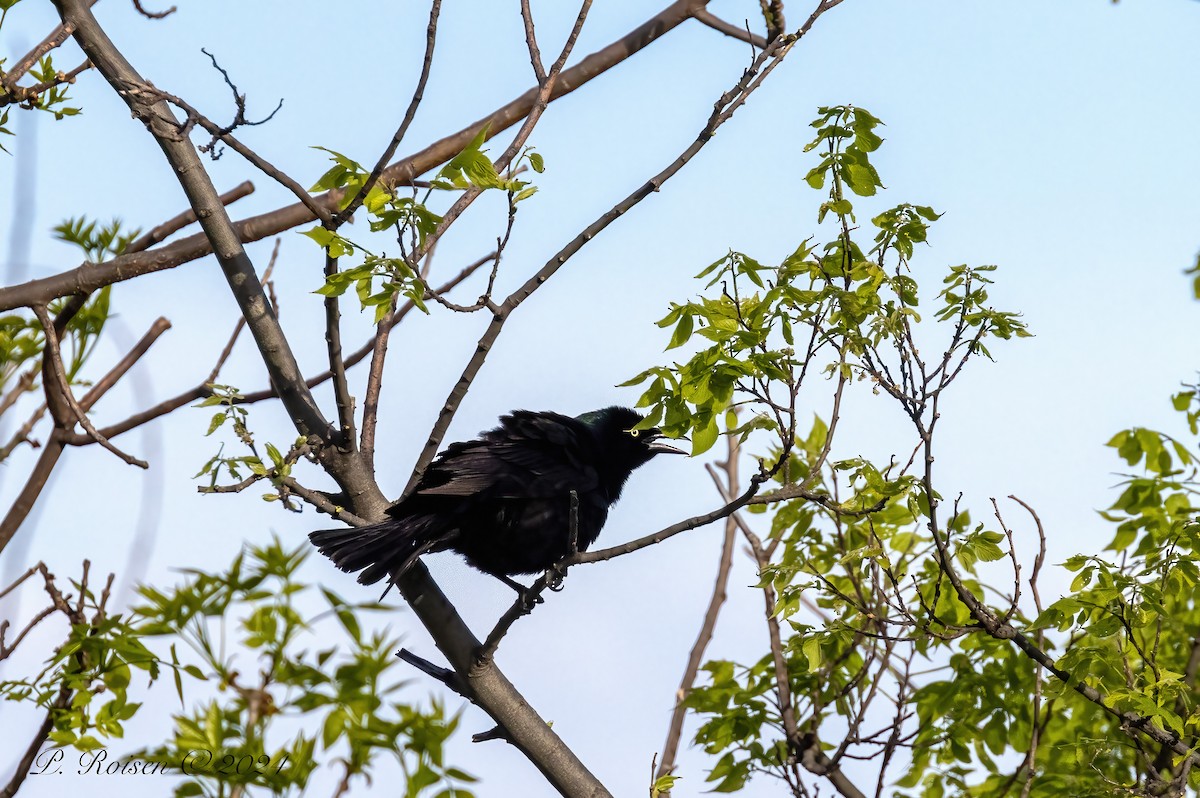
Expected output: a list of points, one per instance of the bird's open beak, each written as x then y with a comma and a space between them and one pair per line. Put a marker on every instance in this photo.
658, 445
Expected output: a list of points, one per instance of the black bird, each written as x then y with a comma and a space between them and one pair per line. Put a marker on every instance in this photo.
503, 499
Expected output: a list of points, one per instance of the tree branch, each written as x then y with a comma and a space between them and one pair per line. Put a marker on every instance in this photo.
729, 29
62, 387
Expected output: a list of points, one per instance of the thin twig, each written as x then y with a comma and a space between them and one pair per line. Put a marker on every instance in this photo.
337, 365
152, 14
535, 55
154, 94
377, 171
63, 387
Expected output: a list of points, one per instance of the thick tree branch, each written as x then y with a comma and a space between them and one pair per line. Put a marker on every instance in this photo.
492, 691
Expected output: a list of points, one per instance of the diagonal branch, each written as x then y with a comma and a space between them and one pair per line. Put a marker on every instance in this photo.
729, 29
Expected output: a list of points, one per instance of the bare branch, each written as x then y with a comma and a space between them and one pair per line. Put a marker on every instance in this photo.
535, 55
63, 388
670, 531
337, 365
716, 23
152, 14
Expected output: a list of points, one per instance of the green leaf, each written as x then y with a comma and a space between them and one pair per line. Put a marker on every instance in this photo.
88, 743
683, 331
662, 784
812, 652
704, 436
335, 724
319, 234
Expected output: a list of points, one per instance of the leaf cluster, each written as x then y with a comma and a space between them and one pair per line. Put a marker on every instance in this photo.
341, 688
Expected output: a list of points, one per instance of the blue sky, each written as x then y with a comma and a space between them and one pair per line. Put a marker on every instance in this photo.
1058, 138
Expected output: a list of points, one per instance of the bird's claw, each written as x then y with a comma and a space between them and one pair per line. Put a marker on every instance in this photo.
554, 577
529, 599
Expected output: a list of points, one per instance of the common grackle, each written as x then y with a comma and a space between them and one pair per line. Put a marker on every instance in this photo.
503, 500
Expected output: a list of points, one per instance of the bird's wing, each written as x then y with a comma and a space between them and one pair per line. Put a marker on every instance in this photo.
529, 456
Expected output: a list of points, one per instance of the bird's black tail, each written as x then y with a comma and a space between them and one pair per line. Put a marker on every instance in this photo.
386, 549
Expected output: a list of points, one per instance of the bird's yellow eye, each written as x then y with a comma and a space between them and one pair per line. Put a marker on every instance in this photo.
634, 432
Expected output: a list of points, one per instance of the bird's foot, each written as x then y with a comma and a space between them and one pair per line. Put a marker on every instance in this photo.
529, 600
554, 576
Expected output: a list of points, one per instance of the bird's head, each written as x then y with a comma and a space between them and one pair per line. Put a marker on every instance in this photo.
626, 446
